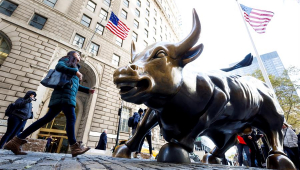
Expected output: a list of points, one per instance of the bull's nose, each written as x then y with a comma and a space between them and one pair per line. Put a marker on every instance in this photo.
133, 67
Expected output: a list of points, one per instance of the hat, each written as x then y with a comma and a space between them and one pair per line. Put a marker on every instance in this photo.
140, 110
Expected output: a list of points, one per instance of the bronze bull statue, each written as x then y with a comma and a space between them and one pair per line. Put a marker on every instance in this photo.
189, 103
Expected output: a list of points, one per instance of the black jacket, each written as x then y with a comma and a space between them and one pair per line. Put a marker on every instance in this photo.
23, 106
102, 142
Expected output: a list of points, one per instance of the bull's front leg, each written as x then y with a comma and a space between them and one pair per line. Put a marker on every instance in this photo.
214, 110
149, 121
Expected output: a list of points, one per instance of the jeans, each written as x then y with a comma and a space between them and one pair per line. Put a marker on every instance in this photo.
255, 152
148, 137
14, 125
293, 154
69, 112
242, 147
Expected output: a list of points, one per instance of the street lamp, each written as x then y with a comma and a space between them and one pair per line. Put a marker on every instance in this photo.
118, 132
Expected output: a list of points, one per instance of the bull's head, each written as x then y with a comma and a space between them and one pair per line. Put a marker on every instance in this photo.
155, 73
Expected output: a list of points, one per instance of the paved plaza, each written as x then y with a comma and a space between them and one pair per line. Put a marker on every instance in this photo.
53, 161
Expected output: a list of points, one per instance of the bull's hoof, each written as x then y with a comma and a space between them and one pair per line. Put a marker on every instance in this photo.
122, 151
210, 159
173, 153
280, 162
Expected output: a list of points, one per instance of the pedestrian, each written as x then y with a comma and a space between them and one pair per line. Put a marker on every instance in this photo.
102, 141
62, 99
242, 146
136, 119
251, 141
148, 137
290, 143
49, 140
18, 118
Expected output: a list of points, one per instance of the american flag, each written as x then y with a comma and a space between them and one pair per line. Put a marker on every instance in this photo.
117, 27
257, 18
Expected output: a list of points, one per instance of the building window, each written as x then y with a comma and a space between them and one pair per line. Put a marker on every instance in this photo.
50, 2
160, 29
119, 41
99, 28
154, 21
147, 12
78, 40
124, 14
166, 36
124, 119
166, 28
38, 21
86, 20
138, 3
115, 60
134, 36
103, 14
154, 31
91, 6
126, 3
107, 2
148, 3
161, 38
146, 33
160, 21
145, 44
7, 7
137, 12
154, 40
5, 48
94, 48
147, 22
155, 12
136, 24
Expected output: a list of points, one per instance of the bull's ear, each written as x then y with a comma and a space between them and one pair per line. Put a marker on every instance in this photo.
132, 51
192, 54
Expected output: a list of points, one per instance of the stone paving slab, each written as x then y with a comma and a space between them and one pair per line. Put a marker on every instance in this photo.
51, 161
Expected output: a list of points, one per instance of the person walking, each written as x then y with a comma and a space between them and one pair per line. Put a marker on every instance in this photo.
148, 137
242, 146
251, 141
49, 140
290, 143
62, 99
102, 141
18, 118
136, 119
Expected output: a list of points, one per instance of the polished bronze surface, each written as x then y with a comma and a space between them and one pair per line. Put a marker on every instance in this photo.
189, 102
122, 151
210, 159
173, 153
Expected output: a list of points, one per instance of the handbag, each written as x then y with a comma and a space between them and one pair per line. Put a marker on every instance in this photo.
55, 79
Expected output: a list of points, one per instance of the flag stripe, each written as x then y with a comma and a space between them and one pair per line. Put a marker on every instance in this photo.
257, 19
120, 30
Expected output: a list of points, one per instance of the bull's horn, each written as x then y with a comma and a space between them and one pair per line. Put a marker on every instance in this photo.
132, 51
187, 43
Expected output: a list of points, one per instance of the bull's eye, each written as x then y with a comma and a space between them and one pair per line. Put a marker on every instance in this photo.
160, 54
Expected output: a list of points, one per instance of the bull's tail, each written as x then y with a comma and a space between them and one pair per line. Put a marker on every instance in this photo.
247, 61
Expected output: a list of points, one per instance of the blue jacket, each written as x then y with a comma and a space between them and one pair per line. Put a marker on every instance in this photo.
136, 119
23, 107
102, 142
67, 94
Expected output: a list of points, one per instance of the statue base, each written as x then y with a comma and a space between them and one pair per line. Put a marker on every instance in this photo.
173, 153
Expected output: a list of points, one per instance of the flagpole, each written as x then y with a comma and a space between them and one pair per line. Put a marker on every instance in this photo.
260, 63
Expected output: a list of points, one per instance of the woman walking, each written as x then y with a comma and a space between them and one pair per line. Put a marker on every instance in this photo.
18, 118
62, 99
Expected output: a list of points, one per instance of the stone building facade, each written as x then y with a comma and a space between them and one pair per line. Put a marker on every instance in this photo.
35, 34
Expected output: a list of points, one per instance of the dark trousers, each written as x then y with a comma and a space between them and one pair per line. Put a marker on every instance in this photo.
14, 126
69, 112
293, 154
148, 137
242, 147
255, 152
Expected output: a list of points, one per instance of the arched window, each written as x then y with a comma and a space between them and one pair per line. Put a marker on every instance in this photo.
5, 47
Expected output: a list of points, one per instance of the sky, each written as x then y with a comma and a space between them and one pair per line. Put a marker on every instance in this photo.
225, 37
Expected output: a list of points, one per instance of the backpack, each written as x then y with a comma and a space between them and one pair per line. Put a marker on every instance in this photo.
10, 108
130, 121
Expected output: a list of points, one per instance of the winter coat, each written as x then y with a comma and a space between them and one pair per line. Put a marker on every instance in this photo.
102, 142
67, 94
290, 138
23, 106
136, 119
